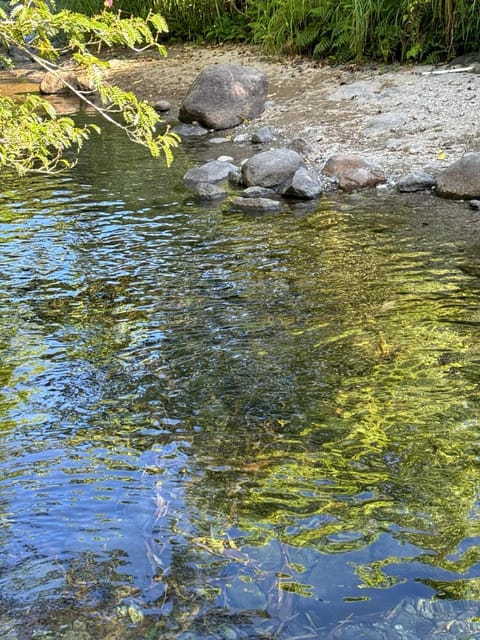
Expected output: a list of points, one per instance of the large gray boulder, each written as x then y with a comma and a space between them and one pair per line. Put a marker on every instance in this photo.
354, 171
461, 179
273, 169
224, 96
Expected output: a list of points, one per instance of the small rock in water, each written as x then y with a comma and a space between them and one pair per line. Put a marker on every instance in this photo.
418, 181
474, 204
190, 131
227, 632
135, 613
256, 205
53, 83
213, 171
258, 192
207, 191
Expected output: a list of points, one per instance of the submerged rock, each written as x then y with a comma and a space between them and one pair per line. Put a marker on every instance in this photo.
258, 192
242, 138
256, 205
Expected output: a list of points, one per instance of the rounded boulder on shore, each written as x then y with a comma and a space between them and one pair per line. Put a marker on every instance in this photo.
224, 96
273, 169
461, 179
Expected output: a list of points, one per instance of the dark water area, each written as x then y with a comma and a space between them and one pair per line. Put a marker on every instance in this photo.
216, 425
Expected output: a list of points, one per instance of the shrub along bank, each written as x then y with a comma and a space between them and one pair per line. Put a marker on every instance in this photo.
341, 30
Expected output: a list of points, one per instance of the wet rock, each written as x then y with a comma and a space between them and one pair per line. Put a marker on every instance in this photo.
207, 191
304, 185
83, 82
262, 135
354, 171
190, 131
417, 181
273, 169
235, 178
213, 172
54, 82
461, 179
258, 192
227, 632
224, 96
475, 205
256, 205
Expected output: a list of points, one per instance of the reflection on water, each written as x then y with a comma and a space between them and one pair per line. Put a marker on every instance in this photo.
218, 426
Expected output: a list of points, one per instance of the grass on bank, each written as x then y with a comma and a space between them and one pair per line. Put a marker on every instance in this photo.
340, 30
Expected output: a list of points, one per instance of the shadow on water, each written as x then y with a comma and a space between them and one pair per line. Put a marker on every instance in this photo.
223, 426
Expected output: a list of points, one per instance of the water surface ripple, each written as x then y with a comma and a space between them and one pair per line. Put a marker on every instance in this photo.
222, 426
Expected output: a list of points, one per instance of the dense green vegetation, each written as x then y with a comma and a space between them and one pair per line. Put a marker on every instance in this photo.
389, 30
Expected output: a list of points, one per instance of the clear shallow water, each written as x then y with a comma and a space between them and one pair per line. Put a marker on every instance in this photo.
223, 426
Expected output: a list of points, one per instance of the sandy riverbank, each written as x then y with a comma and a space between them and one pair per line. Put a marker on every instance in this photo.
406, 118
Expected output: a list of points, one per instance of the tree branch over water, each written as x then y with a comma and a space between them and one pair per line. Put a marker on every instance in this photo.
34, 137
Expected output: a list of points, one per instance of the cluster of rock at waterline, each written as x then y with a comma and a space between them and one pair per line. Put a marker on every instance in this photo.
265, 177
213, 103
228, 95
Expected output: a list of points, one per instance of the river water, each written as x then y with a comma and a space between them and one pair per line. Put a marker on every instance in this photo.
216, 425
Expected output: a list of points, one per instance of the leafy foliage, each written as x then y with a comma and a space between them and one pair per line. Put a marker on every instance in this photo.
34, 138
390, 30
